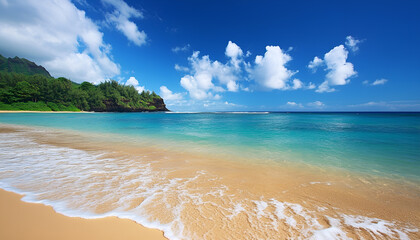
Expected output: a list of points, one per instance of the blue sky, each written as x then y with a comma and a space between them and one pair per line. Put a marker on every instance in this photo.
229, 55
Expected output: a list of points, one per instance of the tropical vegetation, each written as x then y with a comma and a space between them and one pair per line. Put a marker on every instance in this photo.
38, 91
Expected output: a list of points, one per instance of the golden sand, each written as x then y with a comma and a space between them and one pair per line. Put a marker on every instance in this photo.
21, 220
209, 187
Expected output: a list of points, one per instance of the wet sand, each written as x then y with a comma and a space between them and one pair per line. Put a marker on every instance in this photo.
21, 220
236, 198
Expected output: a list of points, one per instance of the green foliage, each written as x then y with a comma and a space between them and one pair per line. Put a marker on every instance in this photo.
29, 106
41, 93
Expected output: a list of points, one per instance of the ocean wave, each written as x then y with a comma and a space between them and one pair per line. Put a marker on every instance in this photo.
94, 184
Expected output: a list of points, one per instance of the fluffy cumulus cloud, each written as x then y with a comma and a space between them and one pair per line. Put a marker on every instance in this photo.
270, 70
168, 95
58, 36
297, 84
207, 79
234, 52
198, 86
314, 64
120, 18
339, 70
203, 74
352, 43
132, 81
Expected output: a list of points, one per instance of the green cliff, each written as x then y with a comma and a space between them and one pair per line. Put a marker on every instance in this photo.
27, 86
21, 65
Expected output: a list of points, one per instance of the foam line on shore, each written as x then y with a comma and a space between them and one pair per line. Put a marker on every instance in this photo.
83, 183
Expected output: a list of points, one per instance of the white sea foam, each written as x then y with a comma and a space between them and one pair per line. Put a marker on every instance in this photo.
261, 206
181, 112
241, 112
92, 185
324, 183
376, 227
333, 232
217, 112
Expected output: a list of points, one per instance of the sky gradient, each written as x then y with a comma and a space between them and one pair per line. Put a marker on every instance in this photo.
229, 55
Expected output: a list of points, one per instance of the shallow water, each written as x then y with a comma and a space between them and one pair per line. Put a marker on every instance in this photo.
223, 176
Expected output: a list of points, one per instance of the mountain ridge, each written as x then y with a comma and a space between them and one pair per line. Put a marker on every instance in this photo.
22, 65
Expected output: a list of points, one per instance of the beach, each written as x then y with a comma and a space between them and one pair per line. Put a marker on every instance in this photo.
20, 220
200, 191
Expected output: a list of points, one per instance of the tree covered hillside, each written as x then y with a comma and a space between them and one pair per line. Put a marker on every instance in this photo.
38, 92
21, 65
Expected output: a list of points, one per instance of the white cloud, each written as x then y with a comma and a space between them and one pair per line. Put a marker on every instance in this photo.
339, 70
195, 87
297, 84
221, 106
140, 89
133, 82
311, 85
314, 64
379, 82
203, 71
352, 43
234, 52
316, 104
120, 17
324, 87
181, 68
58, 36
168, 95
181, 49
205, 77
270, 71
294, 104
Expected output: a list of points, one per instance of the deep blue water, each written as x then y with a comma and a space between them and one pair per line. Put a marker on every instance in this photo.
374, 143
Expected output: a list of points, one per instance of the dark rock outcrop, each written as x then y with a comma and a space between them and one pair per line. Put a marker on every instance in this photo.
159, 104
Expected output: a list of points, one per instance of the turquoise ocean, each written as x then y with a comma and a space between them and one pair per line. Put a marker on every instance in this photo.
373, 143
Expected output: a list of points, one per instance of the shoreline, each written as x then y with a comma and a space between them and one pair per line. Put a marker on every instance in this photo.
318, 192
23, 220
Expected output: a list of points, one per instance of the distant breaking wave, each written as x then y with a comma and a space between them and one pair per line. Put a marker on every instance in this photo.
218, 112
